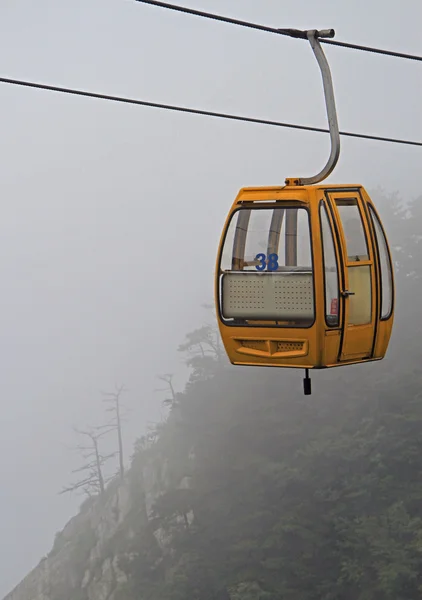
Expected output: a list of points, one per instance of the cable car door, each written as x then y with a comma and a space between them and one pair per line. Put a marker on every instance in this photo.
357, 293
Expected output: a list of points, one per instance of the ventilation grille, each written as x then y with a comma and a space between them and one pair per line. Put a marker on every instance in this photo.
275, 296
289, 346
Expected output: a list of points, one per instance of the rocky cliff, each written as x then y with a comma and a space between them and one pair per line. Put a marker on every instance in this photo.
120, 544
91, 557
80, 565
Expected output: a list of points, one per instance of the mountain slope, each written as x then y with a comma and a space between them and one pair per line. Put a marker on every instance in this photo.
252, 491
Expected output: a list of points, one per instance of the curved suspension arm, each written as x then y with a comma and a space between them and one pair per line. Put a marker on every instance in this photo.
330, 104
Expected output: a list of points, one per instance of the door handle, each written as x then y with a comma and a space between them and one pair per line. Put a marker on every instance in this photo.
346, 293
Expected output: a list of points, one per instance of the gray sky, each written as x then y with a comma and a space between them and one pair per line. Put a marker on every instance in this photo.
111, 214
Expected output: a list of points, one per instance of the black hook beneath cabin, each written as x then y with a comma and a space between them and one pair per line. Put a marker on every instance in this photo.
307, 390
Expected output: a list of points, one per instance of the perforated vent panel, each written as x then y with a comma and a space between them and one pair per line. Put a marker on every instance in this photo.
275, 296
289, 346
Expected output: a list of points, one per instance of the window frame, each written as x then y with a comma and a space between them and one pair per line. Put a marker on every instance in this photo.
349, 263
262, 205
375, 219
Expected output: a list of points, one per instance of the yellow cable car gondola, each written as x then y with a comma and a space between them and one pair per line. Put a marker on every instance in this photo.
304, 275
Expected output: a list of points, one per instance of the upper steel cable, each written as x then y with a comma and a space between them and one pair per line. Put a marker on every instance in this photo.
288, 32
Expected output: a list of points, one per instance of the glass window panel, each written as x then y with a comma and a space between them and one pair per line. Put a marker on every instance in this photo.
228, 252
386, 274
257, 237
354, 233
330, 271
267, 231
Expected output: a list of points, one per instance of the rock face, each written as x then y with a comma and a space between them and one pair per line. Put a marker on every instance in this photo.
95, 555
81, 565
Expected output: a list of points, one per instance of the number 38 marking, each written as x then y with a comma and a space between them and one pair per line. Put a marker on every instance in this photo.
272, 262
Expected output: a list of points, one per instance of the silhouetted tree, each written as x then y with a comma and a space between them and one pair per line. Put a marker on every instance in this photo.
93, 482
167, 378
113, 400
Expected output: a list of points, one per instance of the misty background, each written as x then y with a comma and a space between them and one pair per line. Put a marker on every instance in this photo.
111, 214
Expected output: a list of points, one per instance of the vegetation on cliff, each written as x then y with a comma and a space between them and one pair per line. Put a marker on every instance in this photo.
286, 496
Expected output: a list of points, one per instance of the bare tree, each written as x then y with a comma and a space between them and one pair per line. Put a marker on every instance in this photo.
94, 482
115, 407
169, 388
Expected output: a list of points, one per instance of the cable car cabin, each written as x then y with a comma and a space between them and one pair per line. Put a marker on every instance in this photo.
304, 278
